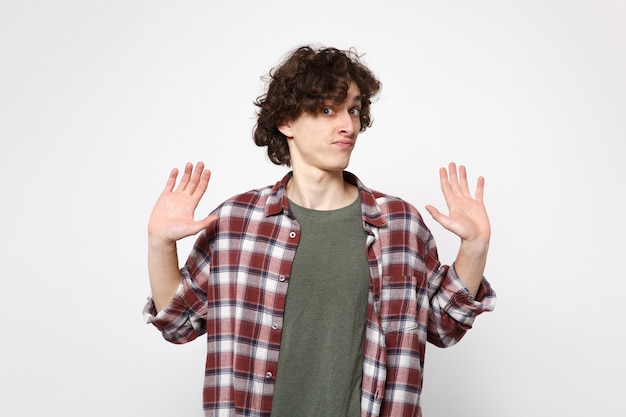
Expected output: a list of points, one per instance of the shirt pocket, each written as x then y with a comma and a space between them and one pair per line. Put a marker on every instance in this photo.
398, 304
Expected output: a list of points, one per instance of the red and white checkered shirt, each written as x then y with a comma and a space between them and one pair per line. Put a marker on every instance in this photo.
234, 287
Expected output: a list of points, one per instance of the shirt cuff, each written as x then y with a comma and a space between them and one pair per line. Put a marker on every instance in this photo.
150, 314
461, 306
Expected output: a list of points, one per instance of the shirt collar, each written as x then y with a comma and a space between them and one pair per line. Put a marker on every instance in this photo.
277, 201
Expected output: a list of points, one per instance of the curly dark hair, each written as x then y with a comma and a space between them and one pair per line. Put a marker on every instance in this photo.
302, 83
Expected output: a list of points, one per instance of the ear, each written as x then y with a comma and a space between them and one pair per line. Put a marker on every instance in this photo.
286, 130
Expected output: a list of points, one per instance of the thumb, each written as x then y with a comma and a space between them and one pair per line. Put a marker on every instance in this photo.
208, 221
438, 216
433, 211
202, 224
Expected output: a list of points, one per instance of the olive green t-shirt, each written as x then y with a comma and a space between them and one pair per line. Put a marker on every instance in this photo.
321, 354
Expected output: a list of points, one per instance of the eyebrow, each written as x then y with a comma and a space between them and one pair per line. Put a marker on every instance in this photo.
358, 99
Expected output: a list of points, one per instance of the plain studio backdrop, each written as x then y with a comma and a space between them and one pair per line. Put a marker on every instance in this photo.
100, 99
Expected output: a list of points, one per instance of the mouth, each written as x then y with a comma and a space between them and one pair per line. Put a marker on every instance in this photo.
344, 144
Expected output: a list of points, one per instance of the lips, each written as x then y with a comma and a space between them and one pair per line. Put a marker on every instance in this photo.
345, 144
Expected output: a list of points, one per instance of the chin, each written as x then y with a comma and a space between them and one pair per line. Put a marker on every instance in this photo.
340, 166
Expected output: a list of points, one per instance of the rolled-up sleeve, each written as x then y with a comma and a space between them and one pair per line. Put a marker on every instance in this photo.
453, 309
177, 322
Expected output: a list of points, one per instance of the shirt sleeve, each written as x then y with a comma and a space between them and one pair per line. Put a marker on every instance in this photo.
184, 318
453, 309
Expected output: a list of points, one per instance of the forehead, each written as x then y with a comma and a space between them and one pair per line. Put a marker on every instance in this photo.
353, 95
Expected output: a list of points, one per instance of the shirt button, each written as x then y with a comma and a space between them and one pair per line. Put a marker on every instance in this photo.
282, 278
292, 235
268, 375
275, 326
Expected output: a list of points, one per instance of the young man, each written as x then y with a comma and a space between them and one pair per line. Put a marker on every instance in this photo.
317, 295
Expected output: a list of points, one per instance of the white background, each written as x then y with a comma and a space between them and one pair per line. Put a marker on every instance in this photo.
100, 99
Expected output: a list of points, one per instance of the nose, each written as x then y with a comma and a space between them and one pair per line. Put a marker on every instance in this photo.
348, 123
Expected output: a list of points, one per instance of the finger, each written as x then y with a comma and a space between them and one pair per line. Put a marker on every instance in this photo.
432, 210
208, 221
195, 177
202, 224
203, 183
171, 180
439, 217
184, 181
454, 179
444, 181
480, 189
463, 181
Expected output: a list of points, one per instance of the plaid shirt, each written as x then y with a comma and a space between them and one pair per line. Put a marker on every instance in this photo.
234, 287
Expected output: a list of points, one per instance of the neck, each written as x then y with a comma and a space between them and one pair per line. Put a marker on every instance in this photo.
320, 190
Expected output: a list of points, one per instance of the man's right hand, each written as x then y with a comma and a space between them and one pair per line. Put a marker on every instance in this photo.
172, 217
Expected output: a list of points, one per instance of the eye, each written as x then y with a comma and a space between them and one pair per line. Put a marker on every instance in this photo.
328, 111
354, 112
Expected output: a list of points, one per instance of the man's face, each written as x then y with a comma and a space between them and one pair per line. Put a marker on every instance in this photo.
325, 140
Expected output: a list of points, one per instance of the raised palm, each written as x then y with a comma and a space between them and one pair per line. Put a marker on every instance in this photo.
467, 216
172, 217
